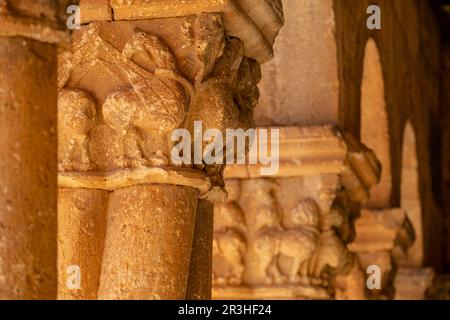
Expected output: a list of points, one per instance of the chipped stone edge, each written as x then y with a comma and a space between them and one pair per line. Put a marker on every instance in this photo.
117, 179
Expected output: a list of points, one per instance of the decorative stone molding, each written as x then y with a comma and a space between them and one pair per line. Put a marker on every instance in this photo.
123, 88
255, 22
285, 236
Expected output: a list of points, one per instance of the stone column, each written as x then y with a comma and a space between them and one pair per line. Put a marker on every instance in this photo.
29, 32
124, 87
285, 236
81, 235
382, 238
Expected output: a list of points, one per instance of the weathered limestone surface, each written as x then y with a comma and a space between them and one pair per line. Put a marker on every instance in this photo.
123, 88
375, 124
301, 84
285, 236
255, 22
148, 242
81, 235
28, 32
200, 271
411, 93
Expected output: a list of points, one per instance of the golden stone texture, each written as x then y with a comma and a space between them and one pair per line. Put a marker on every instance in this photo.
285, 236
29, 31
123, 88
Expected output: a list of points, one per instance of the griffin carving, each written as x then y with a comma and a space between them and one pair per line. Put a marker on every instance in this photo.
143, 97
76, 118
155, 103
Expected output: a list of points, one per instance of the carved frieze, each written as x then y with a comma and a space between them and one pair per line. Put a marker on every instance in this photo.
286, 236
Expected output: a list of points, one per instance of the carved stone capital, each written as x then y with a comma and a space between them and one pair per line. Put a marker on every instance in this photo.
126, 86
134, 75
383, 238
255, 22
286, 235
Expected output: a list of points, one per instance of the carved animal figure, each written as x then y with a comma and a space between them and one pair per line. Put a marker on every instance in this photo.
76, 118
155, 103
229, 244
298, 242
332, 254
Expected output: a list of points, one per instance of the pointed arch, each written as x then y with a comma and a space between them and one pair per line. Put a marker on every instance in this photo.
375, 125
409, 194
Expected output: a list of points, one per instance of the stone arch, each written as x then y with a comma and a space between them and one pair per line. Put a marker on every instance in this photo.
410, 194
375, 125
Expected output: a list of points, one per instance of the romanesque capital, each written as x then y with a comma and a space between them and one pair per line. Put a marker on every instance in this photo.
285, 235
137, 72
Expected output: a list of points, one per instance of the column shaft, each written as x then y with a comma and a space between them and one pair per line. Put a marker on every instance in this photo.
27, 169
148, 242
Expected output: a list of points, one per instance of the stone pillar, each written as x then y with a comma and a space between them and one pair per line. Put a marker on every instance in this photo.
382, 238
124, 87
29, 32
81, 235
200, 271
285, 236
148, 242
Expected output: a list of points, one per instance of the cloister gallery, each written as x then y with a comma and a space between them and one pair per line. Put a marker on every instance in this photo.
348, 100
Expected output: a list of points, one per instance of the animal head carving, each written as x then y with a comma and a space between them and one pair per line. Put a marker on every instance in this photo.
120, 109
76, 112
158, 97
306, 213
149, 52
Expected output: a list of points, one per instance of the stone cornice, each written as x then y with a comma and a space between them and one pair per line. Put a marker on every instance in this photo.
320, 150
256, 23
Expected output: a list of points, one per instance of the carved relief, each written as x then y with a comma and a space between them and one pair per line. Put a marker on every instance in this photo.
155, 103
332, 254
286, 232
145, 100
76, 118
296, 241
226, 97
229, 243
